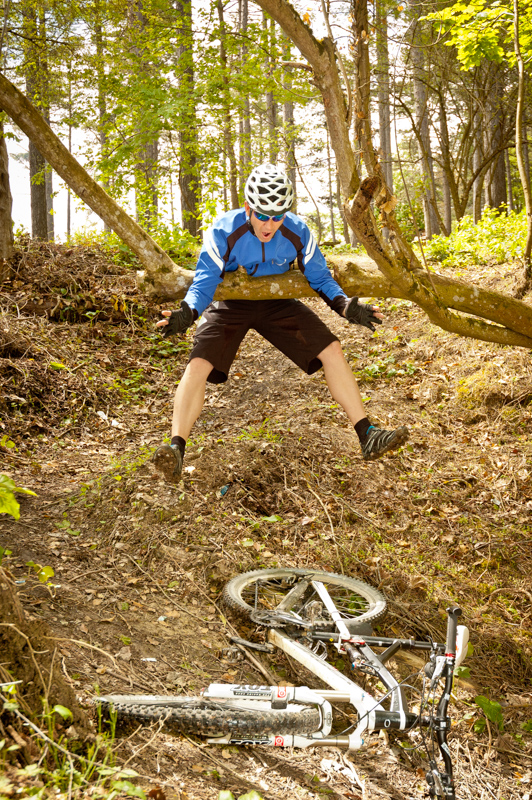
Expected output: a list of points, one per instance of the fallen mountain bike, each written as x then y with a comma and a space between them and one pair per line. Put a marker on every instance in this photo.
310, 615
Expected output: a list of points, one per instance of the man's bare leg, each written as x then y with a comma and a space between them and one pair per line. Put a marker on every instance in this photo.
344, 389
341, 382
188, 403
190, 396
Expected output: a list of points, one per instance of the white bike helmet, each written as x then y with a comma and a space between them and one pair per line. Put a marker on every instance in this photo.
268, 190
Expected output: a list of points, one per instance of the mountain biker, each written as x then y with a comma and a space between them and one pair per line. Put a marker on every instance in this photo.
264, 238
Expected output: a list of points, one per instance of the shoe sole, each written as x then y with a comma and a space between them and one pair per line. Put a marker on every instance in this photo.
401, 436
165, 462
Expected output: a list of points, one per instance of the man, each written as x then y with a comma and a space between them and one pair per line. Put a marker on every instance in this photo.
265, 239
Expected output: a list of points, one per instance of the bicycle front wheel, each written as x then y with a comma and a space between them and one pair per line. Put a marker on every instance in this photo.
202, 717
266, 590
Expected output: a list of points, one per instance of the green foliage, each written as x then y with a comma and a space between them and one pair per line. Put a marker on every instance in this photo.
492, 710
92, 773
263, 432
43, 573
385, 368
497, 237
480, 30
411, 224
8, 502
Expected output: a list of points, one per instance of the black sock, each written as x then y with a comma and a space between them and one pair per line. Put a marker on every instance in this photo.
180, 443
362, 427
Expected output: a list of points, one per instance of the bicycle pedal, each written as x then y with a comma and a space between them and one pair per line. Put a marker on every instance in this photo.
264, 648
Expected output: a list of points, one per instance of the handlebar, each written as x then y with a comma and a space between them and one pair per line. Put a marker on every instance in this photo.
452, 624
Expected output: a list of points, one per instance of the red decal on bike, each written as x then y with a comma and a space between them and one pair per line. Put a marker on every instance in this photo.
278, 741
281, 692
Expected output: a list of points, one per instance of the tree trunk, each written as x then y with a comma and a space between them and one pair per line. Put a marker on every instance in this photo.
525, 178
478, 181
245, 133
189, 173
6, 221
383, 83
345, 226
102, 96
509, 186
146, 169
271, 104
34, 80
421, 98
226, 105
289, 124
446, 170
498, 174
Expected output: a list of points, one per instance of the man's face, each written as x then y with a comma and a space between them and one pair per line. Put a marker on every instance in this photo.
264, 231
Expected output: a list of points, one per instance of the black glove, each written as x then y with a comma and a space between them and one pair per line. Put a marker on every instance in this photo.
361, 313
179, 321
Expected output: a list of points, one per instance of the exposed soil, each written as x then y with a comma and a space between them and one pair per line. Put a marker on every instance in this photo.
273, 476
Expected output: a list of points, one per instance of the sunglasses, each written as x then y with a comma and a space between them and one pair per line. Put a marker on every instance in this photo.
266, 218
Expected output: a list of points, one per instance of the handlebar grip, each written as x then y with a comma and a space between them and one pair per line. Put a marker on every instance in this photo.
452, 624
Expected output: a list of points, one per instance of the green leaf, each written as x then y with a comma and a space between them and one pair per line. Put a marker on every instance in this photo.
129, 789
61, 710
273, 518
57, 365
225, 795
527, 726
480, 725
491, 709
252, 795
8, 504
45, 573
462, 672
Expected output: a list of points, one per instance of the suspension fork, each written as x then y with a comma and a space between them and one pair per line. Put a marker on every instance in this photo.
442, 783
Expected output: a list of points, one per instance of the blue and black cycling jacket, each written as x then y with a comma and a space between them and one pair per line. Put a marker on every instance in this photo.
231, 243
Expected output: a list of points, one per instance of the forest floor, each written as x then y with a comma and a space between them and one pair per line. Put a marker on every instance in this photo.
273, 476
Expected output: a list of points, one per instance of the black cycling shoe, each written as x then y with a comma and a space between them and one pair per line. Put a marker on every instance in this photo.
379, 442
168, 460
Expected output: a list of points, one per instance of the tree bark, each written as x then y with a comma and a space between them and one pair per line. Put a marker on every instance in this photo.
189, 175
289, 124
99, 45
271, 104
146, 169
226, 107
421, 96
34, 89
245, 138
383, 83
497, 184
6, 202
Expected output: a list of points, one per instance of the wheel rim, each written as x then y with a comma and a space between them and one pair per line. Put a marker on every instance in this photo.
350, 597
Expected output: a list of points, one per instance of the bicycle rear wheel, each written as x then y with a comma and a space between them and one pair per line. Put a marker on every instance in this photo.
263, 591
202, 717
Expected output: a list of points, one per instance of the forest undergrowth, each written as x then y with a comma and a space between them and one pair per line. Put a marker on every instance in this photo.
273, 476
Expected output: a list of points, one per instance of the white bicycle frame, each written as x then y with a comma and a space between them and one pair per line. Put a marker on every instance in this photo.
372, 714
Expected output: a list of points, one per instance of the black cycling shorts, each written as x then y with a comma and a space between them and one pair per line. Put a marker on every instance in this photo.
287, 324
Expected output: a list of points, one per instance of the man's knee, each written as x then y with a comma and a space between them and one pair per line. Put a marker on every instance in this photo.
332, 353
198, 368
